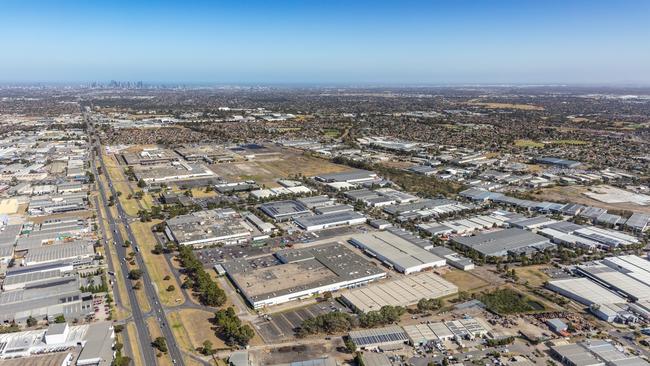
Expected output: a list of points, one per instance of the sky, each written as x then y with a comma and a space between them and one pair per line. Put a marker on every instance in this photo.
327, 41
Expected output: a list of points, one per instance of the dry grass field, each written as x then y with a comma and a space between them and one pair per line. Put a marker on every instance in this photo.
533, 274
135, 349
156, 264
266, 172
164, 359
465, 280
523, 107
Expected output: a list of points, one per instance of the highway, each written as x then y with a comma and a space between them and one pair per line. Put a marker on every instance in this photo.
157, 309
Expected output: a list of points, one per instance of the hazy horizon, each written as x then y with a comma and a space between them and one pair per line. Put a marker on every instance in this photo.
406, 43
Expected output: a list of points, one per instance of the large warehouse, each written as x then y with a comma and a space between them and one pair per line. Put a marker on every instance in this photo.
404, 292
584, 291
284, 210
397, 252
629, 275
219, 226
300, 273
500, 243
330, 220
379, 338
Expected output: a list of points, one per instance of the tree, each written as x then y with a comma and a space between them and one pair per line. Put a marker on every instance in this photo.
31, 321
166, 278
429, 304
157, 249
137, 286
231, 328
358, 359
59, 319
135, 274
142, 183
349, 345
207, 348
160, 343
171, 288
121, 361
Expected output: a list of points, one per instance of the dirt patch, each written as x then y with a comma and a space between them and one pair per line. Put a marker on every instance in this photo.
575, 194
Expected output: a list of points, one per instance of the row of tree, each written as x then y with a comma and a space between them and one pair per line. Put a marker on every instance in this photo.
337, 322
199, 280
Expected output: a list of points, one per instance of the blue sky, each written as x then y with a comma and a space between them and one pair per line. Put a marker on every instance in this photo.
401, 42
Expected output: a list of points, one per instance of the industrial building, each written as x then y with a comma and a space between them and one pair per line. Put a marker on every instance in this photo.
464, 226
330, 220
403, 292
397, 252
504, 242
385, 338
584, 291
176, 171
59, 296
300, 273
150, 157
208, 153
594, 352
317, 201
563, 163
638, 222
58, 343
76, 251
219, 226
453, 259
57, 204
280, 191
628, 275
354, 176
427, 208
284, 210
557, 326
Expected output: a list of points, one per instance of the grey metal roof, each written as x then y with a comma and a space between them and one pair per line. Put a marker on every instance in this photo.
498, 243
638, 221
329, 218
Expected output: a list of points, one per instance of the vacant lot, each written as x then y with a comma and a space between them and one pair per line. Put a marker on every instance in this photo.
283, 166
192, 327
576, 194
523, 107
465, 280
533, 274
528, 143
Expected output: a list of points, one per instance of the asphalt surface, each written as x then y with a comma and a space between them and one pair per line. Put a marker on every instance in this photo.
147, 351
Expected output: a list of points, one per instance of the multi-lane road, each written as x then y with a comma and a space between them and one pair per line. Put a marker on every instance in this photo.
157, 309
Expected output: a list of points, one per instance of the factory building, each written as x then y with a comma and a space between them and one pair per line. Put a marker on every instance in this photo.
284, 210
219, 226
504, 242
300, 273
453, 259
403, 292
397, 252
330, 220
